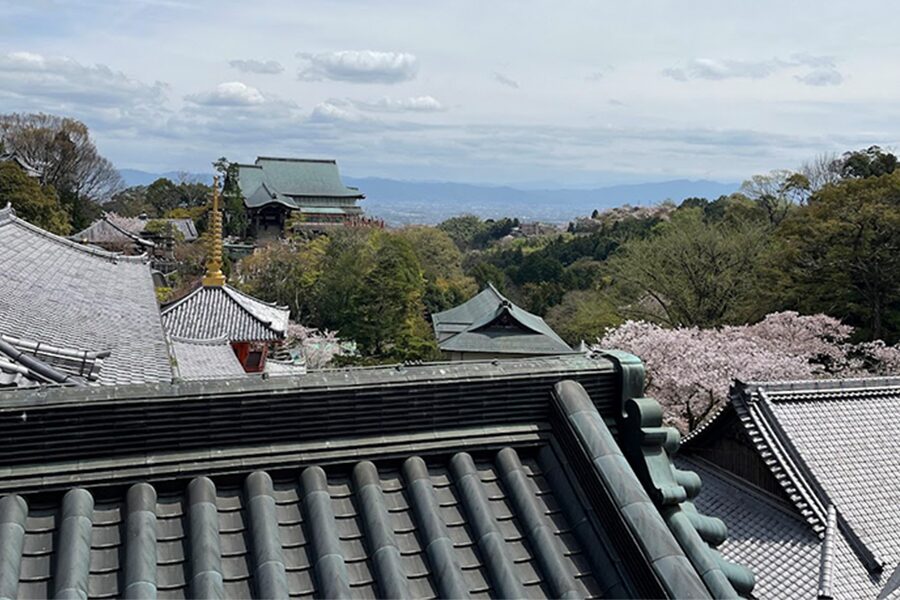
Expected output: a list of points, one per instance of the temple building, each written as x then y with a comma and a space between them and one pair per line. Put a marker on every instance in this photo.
136, 235
805, 476
546, 477
217, 311
305, 193
490, 326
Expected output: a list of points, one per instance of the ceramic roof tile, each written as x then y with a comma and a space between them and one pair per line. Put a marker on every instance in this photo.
205, 359
60, 293
313, 531
768, 535
849, 439
108, 231
215, 312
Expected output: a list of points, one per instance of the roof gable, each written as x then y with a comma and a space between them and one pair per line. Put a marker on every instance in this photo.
832, 446
490, 323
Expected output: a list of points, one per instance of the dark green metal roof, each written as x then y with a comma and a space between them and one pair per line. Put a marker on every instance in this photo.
490, 323
294, 183
448, 480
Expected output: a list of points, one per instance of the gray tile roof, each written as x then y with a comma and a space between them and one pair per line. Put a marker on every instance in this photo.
830, 448
443, 528
107, 231
333, 497
840, 442
205, 359
769, 536
296, 184
63, 294
490, 323
116, 229
216, 312
26, 363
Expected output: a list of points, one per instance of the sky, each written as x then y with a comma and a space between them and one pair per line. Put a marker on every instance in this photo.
528, 93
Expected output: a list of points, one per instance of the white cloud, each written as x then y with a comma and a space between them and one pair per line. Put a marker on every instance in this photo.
822, 69
821, 77
359, 66
709, 68
504, 80
260, 67
231, 93
64, 81
333, 111
413, 104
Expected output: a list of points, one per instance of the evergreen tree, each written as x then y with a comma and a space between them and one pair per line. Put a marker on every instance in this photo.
33, 203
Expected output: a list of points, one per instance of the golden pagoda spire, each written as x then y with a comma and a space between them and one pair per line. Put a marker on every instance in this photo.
214, 275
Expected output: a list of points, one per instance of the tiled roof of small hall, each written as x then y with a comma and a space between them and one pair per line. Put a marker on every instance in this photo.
58, 292
470, 501
217, 312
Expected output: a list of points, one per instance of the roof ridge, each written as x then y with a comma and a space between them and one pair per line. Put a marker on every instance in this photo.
246, 295
824, 385
288, 159
8, 216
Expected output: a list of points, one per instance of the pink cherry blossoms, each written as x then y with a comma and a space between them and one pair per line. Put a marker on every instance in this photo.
690, 370
315, 348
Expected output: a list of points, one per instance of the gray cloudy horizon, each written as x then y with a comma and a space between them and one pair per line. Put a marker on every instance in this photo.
535, 93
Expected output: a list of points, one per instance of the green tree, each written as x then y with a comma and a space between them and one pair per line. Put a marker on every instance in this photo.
391, 310
871, 162
841, 255
62, 149
690, 272
236, 222
777, 192
583, 316
286, 273
36, 204
445, 283
463, 230
130, 202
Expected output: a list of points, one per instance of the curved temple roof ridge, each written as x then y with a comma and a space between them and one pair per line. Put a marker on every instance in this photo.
8, 216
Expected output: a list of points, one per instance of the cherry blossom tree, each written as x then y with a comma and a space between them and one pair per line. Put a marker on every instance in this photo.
315, 348
690, 370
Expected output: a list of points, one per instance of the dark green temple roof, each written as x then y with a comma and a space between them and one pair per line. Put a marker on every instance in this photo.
296, 183
514, 478
490, 323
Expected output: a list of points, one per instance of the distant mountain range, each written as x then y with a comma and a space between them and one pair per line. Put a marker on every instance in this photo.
401, 202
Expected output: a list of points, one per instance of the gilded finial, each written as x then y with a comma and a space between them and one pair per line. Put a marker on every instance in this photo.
214, 275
